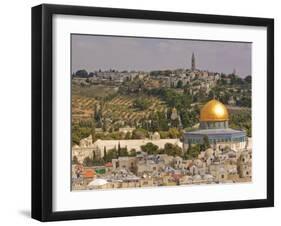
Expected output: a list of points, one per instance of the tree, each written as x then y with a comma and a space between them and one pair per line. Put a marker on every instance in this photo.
211, 94
75, 160
243, 120
150, 148
79, 132
164, 134
162, 121
93, 131
111, 154
88, 161
123, 152
81, 73
119, 149
128, 136
139, 133
206, 143
133, 152
193, 151
180, 84
189, 145
248, 79
98, 162
141, 103
105, 125
172, 149
245, 101
97, 113
174, 133
104, 153
91, 74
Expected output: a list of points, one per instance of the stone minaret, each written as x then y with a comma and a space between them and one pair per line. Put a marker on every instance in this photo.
193, 62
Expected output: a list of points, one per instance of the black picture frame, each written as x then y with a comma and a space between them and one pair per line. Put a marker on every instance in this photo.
42, 107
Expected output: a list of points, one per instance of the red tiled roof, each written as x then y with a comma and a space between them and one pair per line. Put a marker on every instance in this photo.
89, 173
108, 164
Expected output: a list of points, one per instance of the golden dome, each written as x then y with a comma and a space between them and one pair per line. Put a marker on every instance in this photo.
213, 111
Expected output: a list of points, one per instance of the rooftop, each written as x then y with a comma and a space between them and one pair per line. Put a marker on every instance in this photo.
227, 131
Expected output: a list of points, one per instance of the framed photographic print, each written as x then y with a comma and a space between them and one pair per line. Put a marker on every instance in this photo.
145, 112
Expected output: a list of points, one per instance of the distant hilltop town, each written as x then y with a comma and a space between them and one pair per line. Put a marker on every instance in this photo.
157, 128
194, 79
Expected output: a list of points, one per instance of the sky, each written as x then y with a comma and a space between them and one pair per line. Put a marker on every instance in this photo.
92, 52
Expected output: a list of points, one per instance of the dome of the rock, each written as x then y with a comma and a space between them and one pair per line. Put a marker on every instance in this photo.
213, 111
214, 120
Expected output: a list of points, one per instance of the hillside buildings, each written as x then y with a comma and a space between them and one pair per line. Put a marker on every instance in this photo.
227, 160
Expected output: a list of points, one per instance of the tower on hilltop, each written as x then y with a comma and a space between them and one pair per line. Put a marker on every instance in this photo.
193, 62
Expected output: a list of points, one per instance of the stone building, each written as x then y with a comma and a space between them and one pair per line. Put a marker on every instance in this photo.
125, 162
245, 164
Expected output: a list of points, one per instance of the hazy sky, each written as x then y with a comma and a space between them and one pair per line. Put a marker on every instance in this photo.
92, 52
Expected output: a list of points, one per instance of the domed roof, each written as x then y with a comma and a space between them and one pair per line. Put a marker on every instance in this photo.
213, 111
196, 177
209, 152
155, 136
208, 176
